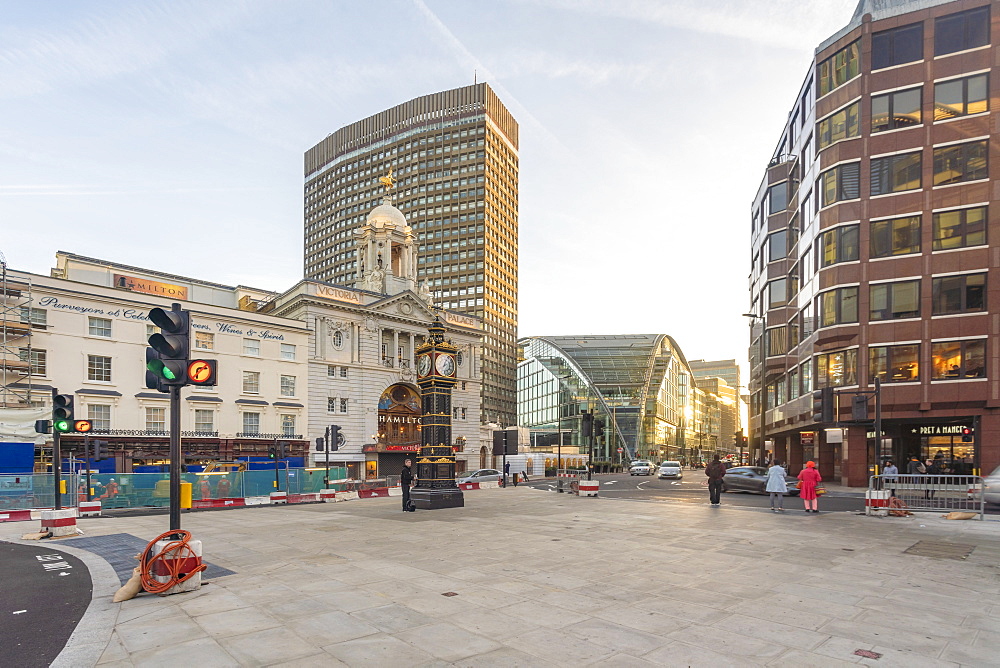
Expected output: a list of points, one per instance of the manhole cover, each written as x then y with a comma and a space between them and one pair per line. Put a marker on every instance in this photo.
940, 549
450, 593
867, 653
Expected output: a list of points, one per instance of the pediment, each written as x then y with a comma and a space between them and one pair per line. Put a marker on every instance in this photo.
406, 304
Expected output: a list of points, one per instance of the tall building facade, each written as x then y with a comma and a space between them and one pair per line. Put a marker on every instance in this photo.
729, 371
454, 155
875, 233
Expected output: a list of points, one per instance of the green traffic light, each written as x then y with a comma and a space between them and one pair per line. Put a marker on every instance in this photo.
161, 369
61, 425
167, 373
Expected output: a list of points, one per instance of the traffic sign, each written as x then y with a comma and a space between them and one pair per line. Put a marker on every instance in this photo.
202, 372
82, 426
620, 451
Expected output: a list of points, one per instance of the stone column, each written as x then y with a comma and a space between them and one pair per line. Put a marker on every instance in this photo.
413, 359
395, 348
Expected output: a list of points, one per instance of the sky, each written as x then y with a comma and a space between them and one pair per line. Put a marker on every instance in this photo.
170, 135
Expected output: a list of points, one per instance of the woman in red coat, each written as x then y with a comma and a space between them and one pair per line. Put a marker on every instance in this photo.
809, 478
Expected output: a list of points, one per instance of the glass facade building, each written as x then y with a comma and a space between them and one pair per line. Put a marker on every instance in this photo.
640, 388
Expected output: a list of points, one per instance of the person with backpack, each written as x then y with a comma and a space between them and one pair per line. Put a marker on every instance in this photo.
715, 472
405, 480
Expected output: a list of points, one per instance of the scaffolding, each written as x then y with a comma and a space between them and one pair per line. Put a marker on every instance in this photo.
16, 354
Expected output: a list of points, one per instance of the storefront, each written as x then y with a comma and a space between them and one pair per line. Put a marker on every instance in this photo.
398, 436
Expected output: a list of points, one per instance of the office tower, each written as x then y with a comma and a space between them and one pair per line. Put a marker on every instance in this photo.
873, 233
454, 155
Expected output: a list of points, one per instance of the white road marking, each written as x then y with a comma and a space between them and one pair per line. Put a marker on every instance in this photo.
18, 612
610, 482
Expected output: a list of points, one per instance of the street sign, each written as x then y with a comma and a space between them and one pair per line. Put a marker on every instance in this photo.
620, 451
202, 372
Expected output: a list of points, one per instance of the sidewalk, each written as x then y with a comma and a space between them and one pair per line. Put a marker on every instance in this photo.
520, 577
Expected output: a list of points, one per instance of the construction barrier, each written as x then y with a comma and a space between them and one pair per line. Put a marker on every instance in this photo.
279, 497
328, 495
218, 503
373, 493
919, 492
90, 508
180, 559
59, 522
588, 487
15, 516
567, 480
877, 502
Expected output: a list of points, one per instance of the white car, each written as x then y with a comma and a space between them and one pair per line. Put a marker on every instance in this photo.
670, 470
991, 487
640, 467
482, 475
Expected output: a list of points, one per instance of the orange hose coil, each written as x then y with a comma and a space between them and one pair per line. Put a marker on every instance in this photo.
174, 557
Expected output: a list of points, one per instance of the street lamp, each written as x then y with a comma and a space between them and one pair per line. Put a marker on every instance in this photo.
762, 404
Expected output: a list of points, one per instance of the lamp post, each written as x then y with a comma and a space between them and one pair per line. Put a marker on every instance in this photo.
762, 404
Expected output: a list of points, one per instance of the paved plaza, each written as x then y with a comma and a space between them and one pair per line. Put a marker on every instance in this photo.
523, 577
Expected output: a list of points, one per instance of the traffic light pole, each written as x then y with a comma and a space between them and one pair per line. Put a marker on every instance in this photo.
175, 458
277, 454
57, 468
326, 441
86, 458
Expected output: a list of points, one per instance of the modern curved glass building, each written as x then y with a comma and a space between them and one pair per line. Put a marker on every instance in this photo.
640, 387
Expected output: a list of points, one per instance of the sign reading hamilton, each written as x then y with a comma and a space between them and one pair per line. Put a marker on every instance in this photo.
148, 287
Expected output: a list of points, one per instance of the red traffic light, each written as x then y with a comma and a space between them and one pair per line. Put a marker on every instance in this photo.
202, 372
966, 431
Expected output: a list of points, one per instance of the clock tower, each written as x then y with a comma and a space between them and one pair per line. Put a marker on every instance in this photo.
436, 367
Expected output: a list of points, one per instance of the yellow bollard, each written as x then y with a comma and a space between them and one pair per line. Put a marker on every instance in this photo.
274, 484
186, 492
62, 486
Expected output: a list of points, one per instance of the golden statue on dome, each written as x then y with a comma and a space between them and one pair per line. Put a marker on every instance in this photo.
388, 181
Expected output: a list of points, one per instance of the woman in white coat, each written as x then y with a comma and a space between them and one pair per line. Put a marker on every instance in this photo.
776, 485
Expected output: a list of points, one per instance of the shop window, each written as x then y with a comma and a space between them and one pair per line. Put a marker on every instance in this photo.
838, 245
899, 236
965, 293
960, 228
840, 184
837, 369
961, 97
843, 124
837, 307
894, 364
895, 173
897, 46
896, 110
839, 68
892, 301
962, 31
951, 360
961, 162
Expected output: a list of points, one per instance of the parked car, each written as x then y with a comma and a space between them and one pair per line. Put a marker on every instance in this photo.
670, 470
752, 479
640, 467
991, 487
482, 475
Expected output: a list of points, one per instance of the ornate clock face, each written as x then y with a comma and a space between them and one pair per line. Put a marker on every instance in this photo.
445, 365
423, 365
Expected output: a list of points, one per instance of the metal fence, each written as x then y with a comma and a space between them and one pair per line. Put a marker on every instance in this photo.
932, 493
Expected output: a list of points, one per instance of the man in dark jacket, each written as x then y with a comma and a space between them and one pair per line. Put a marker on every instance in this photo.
405, 480
715, 471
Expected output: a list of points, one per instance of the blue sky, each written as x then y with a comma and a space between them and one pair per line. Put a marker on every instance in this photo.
645, 129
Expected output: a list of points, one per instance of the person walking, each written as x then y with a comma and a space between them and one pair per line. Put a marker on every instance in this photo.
809, 477
915, 467
889, 476
930, 468
715, 471
506, 472
776, 485
405, 480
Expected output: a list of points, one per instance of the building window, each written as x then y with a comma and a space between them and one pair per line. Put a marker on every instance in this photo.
806, 377
99, 368
897, 110
34, 316
894, 364
777, 197
891, 301
204, 421
287, 351
343, 372
841, 183
99, 327
897, 46
839, 68
777, 293
99, 416
777, 246
338, 339
961, 97
251, 382
960, 228
839, 245
36, 360
331, 371
156, 419
837, 307
204, 340
837, 369
288, 386
958, 359
343, 405
331, 404
251, 423
899, 236
776, 341
895, 173
287, 425
962, 31
843, 124
959, 294
251, 347
962, 162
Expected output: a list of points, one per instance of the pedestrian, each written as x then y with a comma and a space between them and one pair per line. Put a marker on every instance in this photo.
809, 477
715, 471
516, 475
506, 472
889, 474
405, 480
915, 467
776, 485
930, 468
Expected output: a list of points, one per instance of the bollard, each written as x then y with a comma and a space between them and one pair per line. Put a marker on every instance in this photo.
279, 497
589, 487
90, 509
328, 495
186, 494
59, 522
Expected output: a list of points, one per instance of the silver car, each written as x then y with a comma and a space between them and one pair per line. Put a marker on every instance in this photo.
640, 467
670, 470
482, 475
991, 487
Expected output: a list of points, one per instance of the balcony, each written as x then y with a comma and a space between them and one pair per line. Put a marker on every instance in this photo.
270, 437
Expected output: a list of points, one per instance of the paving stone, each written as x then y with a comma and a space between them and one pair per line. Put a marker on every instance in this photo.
236, 622
448, 641
378, 650
204, 651
268, 647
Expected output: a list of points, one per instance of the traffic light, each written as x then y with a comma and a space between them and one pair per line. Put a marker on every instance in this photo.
62, 412
202, 372
598, 428
334, 438
966, 435
587, 423
320, 444
859, 408
167, 357
283, 447
823, 405
43, 426
101, 451
272, 453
